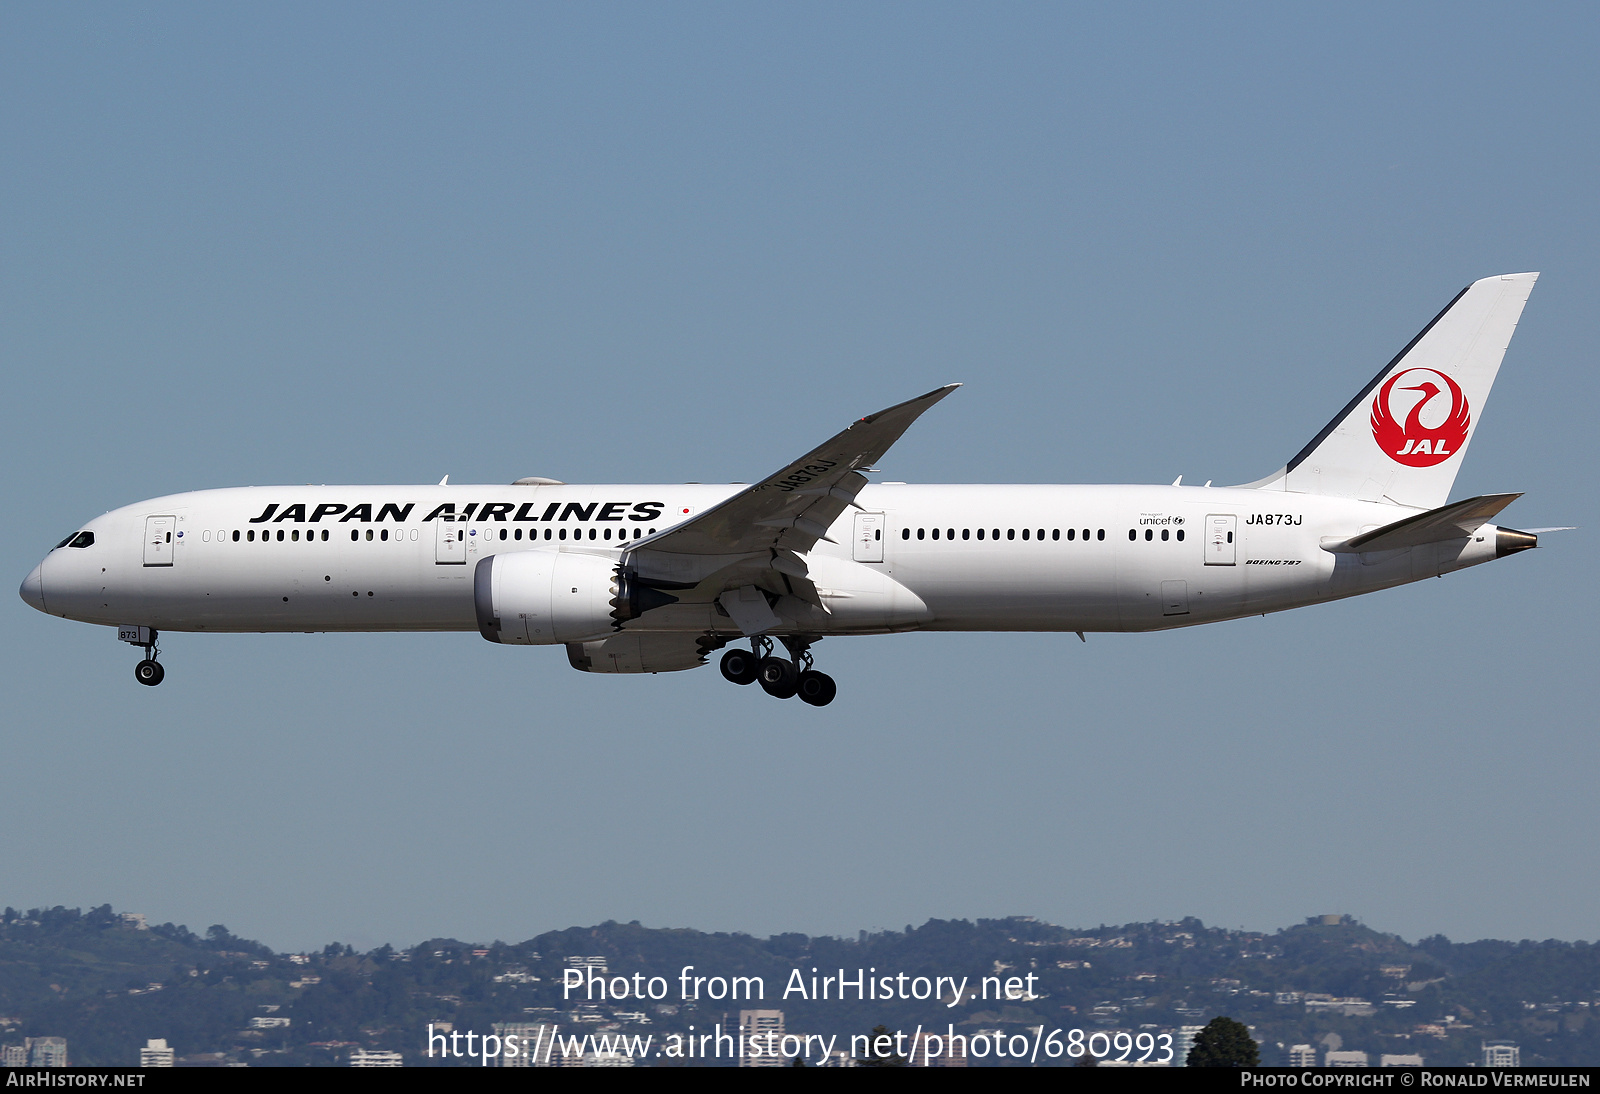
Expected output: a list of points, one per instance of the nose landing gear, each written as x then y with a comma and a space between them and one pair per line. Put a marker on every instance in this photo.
780, 677
149, 671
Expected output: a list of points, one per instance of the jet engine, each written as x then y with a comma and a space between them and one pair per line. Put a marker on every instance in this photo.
542, 598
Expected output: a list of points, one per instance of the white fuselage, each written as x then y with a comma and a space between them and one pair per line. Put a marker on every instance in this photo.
972, 558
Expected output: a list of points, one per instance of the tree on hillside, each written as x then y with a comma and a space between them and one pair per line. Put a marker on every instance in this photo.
872, 1058
1224, 1043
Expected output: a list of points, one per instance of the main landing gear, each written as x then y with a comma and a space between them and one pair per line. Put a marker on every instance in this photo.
780, 677
149, 671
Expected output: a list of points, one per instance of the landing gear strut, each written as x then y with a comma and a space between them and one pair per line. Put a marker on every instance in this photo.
780, 677
149, 671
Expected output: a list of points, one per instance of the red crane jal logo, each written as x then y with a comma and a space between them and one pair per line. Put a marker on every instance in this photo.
1416, 443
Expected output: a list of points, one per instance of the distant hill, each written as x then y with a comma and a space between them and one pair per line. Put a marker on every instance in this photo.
107, 984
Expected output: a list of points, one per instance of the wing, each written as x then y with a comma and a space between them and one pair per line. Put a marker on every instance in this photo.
787, 511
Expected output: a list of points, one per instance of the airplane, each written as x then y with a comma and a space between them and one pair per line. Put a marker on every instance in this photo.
649, 579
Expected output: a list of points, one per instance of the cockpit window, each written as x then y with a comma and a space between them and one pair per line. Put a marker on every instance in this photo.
64, 542
82, 539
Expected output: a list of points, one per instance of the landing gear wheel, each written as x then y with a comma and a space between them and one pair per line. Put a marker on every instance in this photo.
740, 667
149, 673
816, 688
778, 677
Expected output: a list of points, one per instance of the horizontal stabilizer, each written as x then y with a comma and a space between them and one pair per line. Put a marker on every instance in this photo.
1435, 526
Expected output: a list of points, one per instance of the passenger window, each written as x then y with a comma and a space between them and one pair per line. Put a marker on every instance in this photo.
1011, 533
921, 532
1055, 534
369, 535
980, 533
1024, 533
547, 533
966, 533
384, 535
1180, 535
1149, 535
355, 535
503, 534
563, 533
1101, 535
591, 533
949, 533
1041, 533
996, 534
294, 536
236, 535
905, 533
1072, 533
250, 536
1163, 535
936, 533
1133, 534
280, 535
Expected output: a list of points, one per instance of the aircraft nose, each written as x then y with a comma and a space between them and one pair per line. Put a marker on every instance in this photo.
32, 589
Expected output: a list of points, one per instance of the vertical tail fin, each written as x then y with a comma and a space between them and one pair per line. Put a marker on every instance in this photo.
1403, 438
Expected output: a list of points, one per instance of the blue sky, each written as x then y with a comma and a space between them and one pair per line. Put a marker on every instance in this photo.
382, 243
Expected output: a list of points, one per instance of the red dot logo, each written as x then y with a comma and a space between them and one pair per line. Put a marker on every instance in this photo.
1433, 429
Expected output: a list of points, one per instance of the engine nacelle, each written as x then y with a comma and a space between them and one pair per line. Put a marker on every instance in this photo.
541, 598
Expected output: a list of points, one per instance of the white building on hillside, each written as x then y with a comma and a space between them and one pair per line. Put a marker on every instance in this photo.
155, 1053
1183, 1043
762, 1031
47, 1051
1501, 1054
